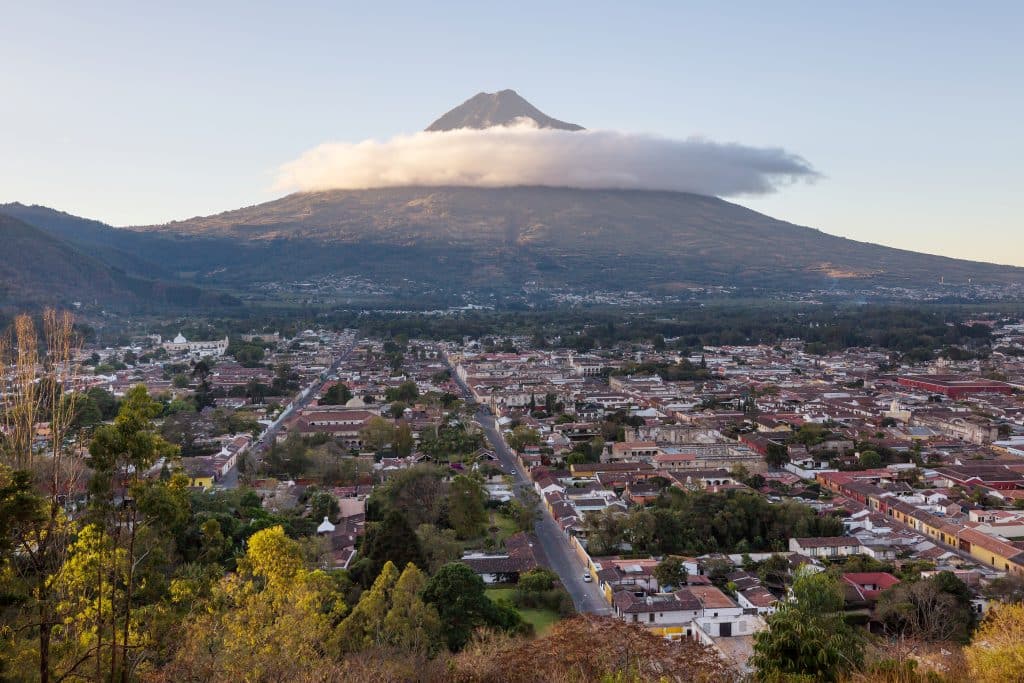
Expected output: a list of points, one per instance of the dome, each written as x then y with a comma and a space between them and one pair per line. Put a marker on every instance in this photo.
325, 527
355, 402
180, 339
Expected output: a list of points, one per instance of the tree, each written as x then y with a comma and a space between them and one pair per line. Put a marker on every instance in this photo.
777, 454
671, 572
440, 546
809, 636
525, 509
120, 454
406, 391
639, 528
389, 540
604, 530
411, 624
996, 653
870, 460
416, 492
364, 626
934, 610
377, 433
458, 595
521, 437
774, 571
337, 394
466, 510
397, 409
249, 355
36, 524
810, 434
403, 440
322, 504
1009, 588
267, 623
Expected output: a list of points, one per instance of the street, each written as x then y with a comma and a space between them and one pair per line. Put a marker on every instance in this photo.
561, 559
266, 438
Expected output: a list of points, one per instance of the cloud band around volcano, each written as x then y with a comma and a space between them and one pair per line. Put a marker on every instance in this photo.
527, 155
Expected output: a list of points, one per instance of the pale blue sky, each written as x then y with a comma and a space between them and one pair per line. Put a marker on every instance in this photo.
134, 112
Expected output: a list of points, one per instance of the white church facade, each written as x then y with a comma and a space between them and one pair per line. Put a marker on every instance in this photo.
181, 345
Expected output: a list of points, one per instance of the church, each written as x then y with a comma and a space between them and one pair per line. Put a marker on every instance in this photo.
181, 345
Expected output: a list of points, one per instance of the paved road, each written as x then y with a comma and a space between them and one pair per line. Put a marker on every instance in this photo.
302, 399
561, 558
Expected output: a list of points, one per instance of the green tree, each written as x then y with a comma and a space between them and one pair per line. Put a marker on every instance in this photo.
397, 409
458, 595
521, 437
121, 453
411, 624
525, 509
403, 440
777, 454
406, 392
337, 394
466, 510
440, 546
870, 460
671, 572
249, 355
378, 433
809, 636
322, 504
364, 626
417, 492
389, 540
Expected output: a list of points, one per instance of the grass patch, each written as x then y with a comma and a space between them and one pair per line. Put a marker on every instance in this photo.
505, 525
542, 619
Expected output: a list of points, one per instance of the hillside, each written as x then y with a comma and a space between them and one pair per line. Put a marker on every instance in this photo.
506, 236
48, 270
45, 266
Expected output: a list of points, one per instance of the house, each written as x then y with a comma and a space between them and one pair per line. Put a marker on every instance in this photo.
869, 585
668, 614
633, 450
835, 546
757, 600
630, 575
518, 558
200, 470
993, 551
675, 615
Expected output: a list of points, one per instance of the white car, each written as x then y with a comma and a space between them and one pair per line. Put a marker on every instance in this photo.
587, 578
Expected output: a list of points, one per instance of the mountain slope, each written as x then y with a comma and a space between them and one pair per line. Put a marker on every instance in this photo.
485, 110
48, 270
610, 238
45, 266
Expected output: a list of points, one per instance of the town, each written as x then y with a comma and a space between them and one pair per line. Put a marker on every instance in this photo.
688, 492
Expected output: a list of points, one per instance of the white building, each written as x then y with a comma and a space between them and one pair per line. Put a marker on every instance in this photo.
182, 345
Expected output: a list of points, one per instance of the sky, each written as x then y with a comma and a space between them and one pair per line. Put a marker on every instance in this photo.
911, 112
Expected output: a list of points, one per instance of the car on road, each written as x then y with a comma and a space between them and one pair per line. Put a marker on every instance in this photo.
586, 577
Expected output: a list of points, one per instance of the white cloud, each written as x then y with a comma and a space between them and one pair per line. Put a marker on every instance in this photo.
526, 155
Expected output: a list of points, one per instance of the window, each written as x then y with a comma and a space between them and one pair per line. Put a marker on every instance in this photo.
650, 617
636, 617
